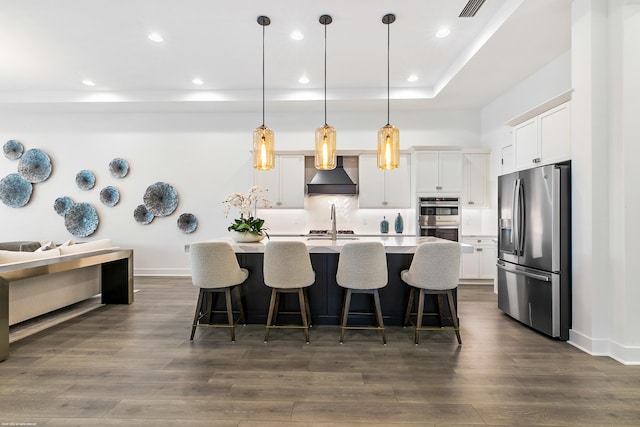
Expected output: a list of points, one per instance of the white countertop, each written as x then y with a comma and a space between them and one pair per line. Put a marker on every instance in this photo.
398, 244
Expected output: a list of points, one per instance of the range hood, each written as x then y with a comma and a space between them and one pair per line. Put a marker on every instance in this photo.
335, 181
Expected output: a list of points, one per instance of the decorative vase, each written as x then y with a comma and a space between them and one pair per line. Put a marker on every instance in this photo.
399, 224
246, 237
384, 226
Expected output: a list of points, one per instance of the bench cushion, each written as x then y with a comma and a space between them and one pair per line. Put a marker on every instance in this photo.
8, 257
85, 247
25, 245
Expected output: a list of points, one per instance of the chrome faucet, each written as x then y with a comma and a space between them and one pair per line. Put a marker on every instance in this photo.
334, 231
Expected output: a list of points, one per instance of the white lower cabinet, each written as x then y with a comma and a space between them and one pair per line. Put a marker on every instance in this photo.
481, 263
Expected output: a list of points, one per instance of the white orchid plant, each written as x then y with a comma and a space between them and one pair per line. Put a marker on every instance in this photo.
247, 205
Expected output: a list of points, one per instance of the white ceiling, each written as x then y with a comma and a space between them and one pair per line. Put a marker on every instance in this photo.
48, 47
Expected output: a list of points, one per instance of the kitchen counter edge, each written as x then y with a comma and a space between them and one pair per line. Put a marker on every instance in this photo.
393, 244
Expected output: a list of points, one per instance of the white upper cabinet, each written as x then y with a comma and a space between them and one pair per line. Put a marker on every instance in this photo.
543, 139
285, 181
507, 160
383, 189
555, 134
438, 171
475, 177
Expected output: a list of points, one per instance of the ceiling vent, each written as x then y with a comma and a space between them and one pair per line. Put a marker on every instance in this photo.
471, 9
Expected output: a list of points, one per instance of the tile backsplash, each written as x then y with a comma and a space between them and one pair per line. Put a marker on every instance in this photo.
316, 216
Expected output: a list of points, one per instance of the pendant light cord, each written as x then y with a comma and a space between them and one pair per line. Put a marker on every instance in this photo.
325, 75
263, 75
388, 68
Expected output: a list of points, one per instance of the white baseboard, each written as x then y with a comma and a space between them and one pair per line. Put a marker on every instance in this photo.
627, 355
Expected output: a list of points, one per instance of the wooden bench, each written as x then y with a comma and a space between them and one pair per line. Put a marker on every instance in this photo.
115, 279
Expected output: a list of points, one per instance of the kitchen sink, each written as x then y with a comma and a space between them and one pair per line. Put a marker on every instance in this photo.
329, 238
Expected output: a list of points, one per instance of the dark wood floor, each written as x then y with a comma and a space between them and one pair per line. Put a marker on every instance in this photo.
134, 365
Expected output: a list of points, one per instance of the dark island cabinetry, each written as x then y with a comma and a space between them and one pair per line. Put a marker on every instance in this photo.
326, 296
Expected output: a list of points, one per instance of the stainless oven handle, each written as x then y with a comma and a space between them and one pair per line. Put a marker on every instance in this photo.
524, 273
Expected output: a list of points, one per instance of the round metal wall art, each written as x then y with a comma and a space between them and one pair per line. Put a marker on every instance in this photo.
34, 166
62, 205
119, 168
85, 180
109, 196
15, 191
13, 149
142, 215
161, 199
81, 220
187, 223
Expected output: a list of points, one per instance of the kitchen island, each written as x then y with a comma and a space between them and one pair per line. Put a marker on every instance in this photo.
325, 295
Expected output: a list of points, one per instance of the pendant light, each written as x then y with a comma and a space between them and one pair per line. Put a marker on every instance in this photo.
388, 136
264, 156
325, 152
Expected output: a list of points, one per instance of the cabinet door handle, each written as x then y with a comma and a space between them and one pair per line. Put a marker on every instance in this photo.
278, 203
470, 202
536, 160
479, 249
385, 203
438, 187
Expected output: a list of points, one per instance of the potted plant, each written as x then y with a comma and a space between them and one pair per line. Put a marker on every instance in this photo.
247, 228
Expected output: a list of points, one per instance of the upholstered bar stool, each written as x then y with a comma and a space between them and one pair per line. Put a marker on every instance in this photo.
434, 270
215, 269
287, 269
362, 268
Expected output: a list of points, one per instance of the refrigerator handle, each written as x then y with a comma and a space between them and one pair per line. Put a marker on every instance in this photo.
521, 218
515, 212
514, 221
524, 273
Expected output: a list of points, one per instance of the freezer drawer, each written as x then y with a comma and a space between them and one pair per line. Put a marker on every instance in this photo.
532, 297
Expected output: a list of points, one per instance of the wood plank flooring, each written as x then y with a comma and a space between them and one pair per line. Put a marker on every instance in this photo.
134, 366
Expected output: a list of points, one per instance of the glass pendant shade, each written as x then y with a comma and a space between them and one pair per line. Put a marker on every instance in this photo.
325, 156
388, 147
264, 156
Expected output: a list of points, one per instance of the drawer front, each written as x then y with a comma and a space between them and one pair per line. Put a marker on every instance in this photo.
478, 241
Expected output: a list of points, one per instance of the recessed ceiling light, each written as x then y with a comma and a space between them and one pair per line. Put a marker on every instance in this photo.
443, 32
304, 80
297, 35
156, 37
412, 78
88, 82
197, 81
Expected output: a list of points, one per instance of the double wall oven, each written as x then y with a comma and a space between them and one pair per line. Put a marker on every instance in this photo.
439, 217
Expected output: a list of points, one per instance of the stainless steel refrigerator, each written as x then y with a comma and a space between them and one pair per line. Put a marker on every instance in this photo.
534, 248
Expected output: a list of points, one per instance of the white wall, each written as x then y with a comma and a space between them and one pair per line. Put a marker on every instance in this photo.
547, 83
602, 69
627, 322
624, 133
204, 156
590, 150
